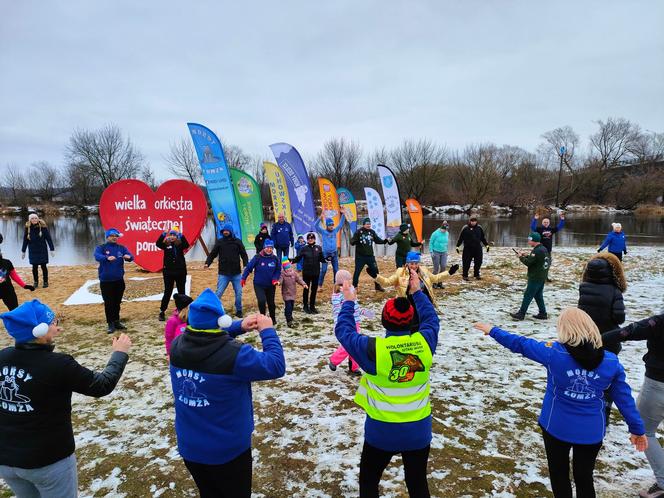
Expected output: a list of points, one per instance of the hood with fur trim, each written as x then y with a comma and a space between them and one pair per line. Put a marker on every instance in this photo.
605, 268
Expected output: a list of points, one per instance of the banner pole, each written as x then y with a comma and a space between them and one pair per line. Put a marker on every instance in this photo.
205, 249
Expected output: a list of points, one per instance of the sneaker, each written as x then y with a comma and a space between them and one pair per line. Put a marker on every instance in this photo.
111, 328
238, 314
45, 285
355, 373
119, 325
541, 316
653, 491
518, 316
289, 324
313, 311
332, 366
162, 316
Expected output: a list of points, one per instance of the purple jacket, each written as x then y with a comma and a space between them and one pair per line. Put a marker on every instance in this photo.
289, 280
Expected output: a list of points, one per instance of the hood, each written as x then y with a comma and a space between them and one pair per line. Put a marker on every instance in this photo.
605, 268
228, 227
586, 355
199, 346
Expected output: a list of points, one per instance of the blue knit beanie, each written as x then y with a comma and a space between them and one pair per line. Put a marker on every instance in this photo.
268, 243
206, 313
413, 257
28, 321
329, 222
112, 231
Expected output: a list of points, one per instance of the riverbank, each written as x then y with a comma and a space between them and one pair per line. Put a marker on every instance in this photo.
308, 431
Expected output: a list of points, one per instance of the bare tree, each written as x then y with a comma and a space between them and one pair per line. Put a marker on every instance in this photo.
44, 181
340, 161
147, 175
418, 166
236, 157
84, 189
105, 154
182, 161
14, 182
574, 178
477, 173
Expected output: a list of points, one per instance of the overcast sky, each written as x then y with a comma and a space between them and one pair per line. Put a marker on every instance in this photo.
301, 72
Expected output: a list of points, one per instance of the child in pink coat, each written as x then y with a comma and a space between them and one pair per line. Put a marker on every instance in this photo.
289, 281
337, 300
177, 321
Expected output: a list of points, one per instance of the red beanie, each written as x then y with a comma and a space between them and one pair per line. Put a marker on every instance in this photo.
397, 314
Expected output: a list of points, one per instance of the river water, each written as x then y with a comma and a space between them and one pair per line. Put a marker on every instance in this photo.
76, 238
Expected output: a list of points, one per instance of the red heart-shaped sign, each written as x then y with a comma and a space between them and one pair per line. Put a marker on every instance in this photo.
141, 215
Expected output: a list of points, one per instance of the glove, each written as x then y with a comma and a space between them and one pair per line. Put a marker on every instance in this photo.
457, 250
31, 288
275, 282
625, 251
599, 250
242, 282
453, 269
330, 258
22, 255
488, 247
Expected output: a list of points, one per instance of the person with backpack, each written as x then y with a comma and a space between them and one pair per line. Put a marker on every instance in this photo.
579, 370
36, 384
472, 237
174, 244
232, 256
394, 390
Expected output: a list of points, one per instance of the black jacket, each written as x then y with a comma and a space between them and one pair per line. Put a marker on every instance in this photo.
230, 251
174, 262
650, 329
35, 401
259, 240
311, 256
472, 237
600, 297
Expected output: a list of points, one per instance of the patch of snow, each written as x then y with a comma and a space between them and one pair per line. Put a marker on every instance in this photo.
83, 295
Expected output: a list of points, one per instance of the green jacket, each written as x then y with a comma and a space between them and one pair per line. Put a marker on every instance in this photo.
538, 262
404, 243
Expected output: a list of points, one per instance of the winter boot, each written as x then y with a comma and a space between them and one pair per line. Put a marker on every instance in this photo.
518, 315
162, 316
36, 283
45, 284
653, 491
378, 288
332, 366
466, 279
305, 308
239, 314
119, 325
477, 277
111, 328
313, 310
541, 316
290, 324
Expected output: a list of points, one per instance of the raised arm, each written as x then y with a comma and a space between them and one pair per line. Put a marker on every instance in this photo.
184, 243
390, 281
533, 224
530, 348
160, 241
97, 384
99, 254
622, 395
357, 345
251, 364
429, 322
650, 328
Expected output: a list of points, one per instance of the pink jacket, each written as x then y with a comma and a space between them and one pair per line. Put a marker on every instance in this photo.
174, 327
289, 280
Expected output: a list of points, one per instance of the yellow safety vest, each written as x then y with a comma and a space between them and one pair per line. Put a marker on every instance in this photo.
399, 392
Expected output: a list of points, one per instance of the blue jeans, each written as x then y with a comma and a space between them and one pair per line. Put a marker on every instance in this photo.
281, 252
58, 479
335, 267
288, 309
222, 283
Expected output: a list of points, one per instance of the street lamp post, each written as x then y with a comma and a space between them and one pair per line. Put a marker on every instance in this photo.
560, 172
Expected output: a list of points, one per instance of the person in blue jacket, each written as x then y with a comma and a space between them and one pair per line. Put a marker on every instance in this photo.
111, 257
37, 240
615, 241
328, 235
282, 235
579, 370
267, 270
211, 376
395, 366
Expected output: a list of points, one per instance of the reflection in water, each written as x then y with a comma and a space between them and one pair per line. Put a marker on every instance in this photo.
76, 238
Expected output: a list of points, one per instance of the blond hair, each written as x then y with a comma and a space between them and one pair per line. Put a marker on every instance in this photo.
575, 327
184, 314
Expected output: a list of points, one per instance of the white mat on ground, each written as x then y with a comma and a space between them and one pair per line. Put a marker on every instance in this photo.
84, 296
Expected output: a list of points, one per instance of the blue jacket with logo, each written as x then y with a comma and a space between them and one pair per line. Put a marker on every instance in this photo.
389, 436
266, 269
282, 234
329, 237
573, 406
111, 271
211, 376
615, 242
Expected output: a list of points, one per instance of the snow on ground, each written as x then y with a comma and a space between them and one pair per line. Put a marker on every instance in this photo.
309, 433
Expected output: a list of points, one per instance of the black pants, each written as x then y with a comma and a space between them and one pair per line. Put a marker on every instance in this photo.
309, 295
266, 295
470, 254
35, 272
617, 255
374, 461
229, 480
169, 280
360, 263
111, 293
583, 465
9, 296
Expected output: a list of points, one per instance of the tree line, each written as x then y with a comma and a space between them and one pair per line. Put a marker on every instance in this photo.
619, 164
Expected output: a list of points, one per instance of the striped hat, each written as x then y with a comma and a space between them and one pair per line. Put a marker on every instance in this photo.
285, 263
397, 314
